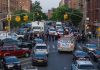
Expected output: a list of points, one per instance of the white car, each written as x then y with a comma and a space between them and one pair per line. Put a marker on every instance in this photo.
4, 35
65, 44
52, 31
82, 65
60, 31
41, 48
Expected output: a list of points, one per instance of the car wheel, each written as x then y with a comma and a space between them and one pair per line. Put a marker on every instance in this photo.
27, 55
20, 38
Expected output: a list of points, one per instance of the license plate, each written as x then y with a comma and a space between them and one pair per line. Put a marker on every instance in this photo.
40, 60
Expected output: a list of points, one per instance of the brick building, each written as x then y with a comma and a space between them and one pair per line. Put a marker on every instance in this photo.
63, 2
74, 4
25, 5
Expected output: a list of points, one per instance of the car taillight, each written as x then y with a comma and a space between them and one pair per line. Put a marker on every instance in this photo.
45, 59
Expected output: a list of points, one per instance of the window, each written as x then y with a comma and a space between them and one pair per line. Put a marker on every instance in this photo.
11, 49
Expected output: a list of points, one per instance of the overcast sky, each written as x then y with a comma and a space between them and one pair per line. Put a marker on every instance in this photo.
48, 4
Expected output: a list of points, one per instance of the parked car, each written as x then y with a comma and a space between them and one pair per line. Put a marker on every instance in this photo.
80, 54
95, 55
89, 47
10, 41
66, 44
15, 36
39, 59
10, 63
82, 65
41, 48
13, 50
25, 45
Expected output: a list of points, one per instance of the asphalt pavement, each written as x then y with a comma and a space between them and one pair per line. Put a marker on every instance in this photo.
56, 61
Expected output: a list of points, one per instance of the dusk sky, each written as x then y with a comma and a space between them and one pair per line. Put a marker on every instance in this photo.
48, 4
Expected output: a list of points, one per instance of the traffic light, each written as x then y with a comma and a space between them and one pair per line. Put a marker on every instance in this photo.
9, 18
18, 19
25, 18
65, 16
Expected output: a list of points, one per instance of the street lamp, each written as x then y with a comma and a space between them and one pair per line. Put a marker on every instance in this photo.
9, 14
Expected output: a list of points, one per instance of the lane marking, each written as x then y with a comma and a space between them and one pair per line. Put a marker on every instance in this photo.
65, 68
53, 46
26, 63
23, 60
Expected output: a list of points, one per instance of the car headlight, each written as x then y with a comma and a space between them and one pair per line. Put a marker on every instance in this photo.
10, 65
18, 64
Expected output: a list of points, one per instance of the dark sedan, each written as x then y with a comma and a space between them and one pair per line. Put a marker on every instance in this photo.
95, 55
39, 59
10, 63
80, 54
89, 47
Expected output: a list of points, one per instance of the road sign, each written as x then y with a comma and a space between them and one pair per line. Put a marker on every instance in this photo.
18, 18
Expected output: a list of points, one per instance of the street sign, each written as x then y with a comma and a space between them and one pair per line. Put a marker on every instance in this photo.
18, 18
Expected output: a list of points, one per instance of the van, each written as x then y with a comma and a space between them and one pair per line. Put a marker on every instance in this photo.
38, 27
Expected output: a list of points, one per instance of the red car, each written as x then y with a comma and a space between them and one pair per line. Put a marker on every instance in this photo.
13, 51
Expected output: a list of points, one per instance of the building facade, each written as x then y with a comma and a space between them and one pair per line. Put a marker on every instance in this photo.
25, 5
74, 4
63, 2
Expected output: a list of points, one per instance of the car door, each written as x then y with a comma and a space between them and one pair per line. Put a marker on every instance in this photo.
19, 52
11, 51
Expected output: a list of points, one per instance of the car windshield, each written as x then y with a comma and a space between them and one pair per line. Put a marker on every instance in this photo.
41, 47
60, 31
91, 46
58, 24
11, 60
86, 67
38, 40
8, 40
40, 56
97, 52
52, 29
36, 27
80, 54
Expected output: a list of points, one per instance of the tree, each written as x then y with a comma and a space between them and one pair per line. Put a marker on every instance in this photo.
36, 10
75, 16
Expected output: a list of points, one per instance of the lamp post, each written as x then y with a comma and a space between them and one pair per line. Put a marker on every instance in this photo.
9, 14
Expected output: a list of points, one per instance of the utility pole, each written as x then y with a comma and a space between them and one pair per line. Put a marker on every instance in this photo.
85, 15
9, 14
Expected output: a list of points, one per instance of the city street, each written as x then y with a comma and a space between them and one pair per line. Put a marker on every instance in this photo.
56, 61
